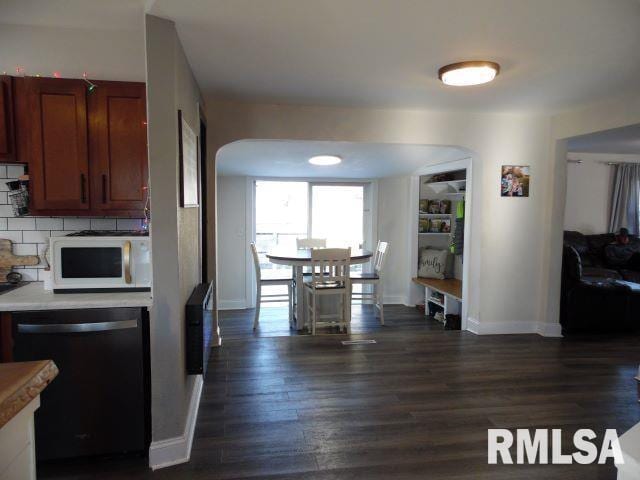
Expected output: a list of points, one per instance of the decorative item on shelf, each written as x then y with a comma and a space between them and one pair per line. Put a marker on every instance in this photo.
8, 259
437, 297
445, 206
514, 181
423, 226
424, 206
19, 196
432, 263
440, 225
434, 206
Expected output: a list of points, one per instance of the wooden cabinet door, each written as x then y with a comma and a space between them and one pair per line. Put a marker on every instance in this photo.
57, 148
118, 148
7, 136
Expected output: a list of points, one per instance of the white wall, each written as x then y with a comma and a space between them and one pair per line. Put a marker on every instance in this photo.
508, 246
233, 242
394, 215
103, 54
174, 232
589, 189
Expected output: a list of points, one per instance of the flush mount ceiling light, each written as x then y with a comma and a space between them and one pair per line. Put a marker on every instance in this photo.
324, 160
463, 74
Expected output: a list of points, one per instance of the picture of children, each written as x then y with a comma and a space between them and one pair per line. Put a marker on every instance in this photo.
515, 181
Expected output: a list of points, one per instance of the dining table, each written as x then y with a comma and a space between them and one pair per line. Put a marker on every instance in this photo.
298, 259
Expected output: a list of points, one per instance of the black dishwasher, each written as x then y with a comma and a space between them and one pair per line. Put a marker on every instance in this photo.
99, 403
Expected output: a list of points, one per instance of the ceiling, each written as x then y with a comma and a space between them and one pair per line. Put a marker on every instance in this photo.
92, 14
555, 54
288, 158
625, 140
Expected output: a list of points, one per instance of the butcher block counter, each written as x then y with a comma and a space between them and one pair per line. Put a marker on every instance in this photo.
20, 387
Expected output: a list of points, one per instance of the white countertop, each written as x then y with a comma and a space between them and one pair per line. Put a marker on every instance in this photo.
33, 296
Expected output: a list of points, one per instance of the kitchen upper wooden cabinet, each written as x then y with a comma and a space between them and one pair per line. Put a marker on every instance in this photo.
118, 146
57, 145
86, 151
7, 135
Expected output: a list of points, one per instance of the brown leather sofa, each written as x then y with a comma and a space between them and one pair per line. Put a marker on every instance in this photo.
600, 284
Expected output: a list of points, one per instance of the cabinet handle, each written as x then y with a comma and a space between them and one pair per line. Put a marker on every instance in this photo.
127, 261
76, 327
104, 188
83, 193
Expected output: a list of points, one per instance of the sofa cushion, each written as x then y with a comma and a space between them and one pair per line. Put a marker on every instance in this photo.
618, 256
597, 272
599, 241
576, 240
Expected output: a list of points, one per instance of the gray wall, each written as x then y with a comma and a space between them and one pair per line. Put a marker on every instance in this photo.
174, 230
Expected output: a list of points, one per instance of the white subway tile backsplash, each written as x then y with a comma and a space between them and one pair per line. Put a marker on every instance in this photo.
25, 249
3, 185
60, 233
14, 171
3, 171
6, 210
29, 274
21, 224
3, 223
15, 236
4, 198
128, 224
77, 224
103, 224
43, 223
36, 236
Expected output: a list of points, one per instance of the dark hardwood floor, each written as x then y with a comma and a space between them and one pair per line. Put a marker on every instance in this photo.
415, 405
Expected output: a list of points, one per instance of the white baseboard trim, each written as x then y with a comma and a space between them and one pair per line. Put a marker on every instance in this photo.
395, 300
507, 328
473, 325
550, 329
232, 304
172, 451
513, 328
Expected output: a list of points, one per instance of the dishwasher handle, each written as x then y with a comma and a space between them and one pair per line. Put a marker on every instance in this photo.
76, 327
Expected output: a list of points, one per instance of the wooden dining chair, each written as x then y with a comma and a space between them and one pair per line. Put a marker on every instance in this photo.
329, 276
374, 278
271, 298
311, 243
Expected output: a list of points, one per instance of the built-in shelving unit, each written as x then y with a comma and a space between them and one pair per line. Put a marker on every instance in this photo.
449, 189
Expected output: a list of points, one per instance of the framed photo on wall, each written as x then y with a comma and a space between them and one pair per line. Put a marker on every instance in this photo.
515, 181
188, 157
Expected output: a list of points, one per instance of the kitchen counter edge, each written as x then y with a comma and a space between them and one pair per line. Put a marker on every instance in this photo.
33, 296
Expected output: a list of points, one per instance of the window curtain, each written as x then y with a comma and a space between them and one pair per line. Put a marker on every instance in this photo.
625, 202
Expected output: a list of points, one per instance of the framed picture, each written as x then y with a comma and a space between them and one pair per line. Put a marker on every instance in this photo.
188, 157
514, 181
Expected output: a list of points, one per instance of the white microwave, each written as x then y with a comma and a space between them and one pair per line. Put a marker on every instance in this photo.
100, 263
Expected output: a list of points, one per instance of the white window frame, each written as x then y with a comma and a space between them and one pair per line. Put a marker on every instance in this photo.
370, 216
